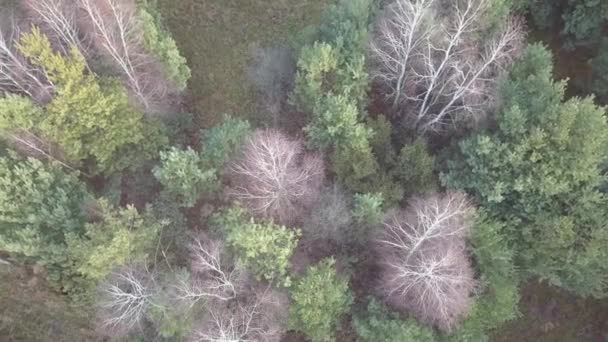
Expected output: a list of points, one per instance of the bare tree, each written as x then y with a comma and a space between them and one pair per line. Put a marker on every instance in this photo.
212, 279
59, 20
436, 70
275, 177
258, 317
19, 76
124, 298
425, 266
115, 29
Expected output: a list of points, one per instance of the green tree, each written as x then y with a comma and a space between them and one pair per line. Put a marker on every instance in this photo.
263, 248
367, 208
90, 118
377, 324
39, 206
414, 168
332, 85
183, 175
158, 40
581, 21
222, 141
539, 172
320, 298
118, 236
498, 303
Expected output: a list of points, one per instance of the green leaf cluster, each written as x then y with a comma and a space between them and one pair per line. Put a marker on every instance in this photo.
183, 175
39, 206
262, 247
120, 235
319, 299
367, 208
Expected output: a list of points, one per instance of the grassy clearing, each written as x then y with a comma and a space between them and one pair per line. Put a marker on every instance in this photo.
218, 36
30, 311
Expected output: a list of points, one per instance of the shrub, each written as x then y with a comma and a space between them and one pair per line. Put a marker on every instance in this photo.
319, 299
181, 173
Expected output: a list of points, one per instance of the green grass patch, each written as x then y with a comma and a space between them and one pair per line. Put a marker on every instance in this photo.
217, 38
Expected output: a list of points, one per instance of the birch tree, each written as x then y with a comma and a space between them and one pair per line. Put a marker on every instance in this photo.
425, 267
58, 18
436, 70
115, 30
275, 177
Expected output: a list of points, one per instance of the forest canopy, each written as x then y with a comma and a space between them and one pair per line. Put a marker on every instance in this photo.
409, 165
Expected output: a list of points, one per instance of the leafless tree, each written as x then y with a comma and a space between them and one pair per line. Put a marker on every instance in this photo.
436, 70
59, 20
276, 177
19, 76
124, 298
330, 217
425, 266
115, 29
259, 317
212, 279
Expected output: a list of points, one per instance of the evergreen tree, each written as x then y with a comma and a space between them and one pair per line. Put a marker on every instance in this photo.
539, 173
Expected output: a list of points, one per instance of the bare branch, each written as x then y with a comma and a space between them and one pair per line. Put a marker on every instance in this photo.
30, 144
275, 178
19, 76
258, 318
435, 70
212, 280
58, 19
124, 299
117, 32
426, 269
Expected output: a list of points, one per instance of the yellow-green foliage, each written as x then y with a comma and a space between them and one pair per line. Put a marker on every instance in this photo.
18, 112
88, 118
121, 235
